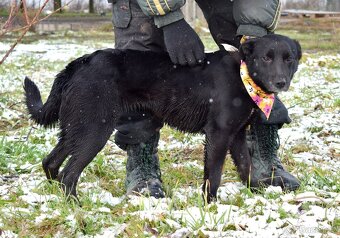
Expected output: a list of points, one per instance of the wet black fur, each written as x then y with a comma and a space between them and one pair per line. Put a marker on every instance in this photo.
88, 96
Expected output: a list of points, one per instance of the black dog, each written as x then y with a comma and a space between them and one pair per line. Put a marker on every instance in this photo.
92, 91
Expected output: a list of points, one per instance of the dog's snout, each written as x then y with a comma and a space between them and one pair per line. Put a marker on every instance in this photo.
281, 82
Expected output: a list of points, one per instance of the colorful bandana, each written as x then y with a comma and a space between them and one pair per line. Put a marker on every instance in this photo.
262, 99
245, 38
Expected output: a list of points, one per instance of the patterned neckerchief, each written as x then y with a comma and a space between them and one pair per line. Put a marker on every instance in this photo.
262, 99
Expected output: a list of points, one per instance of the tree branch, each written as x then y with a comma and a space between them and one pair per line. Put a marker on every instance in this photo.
29, 23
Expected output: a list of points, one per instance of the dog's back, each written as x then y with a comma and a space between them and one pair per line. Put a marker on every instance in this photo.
47, 114
179, 96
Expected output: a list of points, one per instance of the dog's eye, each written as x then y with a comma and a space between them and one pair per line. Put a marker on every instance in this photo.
289, 60
266, 59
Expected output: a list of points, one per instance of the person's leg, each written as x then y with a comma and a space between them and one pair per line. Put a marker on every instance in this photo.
138, 132
263, 134
263, 142
222, 26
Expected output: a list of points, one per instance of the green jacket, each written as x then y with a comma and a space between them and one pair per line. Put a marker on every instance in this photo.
253, 17
164, 12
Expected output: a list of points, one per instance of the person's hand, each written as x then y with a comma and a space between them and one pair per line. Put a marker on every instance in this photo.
183, 44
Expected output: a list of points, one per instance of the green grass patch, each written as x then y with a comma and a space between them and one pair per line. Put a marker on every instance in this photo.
314, 35
336, 102
14, 154
282, 213
336, 225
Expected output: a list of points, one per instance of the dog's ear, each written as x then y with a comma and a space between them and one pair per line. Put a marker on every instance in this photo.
247, 48
298, 49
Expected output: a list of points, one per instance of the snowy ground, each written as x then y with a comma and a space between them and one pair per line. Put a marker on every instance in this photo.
310, 148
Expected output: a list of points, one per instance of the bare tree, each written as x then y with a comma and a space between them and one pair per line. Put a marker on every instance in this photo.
57, 6
5, 3
9, 26
78, 5
333, 5
91, 6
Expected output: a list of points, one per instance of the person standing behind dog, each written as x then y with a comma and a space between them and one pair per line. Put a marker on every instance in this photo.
159, 25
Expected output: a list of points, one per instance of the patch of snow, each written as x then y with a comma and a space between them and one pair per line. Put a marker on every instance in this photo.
173, 223
106, 198
229, 190
8, 234
111, 232
34, 198
104, 209
180, 233
71, 220
273, 189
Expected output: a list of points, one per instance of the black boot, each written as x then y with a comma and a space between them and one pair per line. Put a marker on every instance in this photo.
267, 169
143, 174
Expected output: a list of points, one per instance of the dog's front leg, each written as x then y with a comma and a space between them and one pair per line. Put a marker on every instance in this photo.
240, 154
214, 155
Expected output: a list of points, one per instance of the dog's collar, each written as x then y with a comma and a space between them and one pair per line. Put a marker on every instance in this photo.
262, 99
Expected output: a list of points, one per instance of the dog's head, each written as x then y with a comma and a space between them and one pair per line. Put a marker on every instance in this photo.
272, 61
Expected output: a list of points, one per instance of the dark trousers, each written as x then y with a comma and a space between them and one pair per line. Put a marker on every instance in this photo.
134, 30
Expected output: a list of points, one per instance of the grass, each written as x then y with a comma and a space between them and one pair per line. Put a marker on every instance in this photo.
314, 35
19, 152
336, 225
337, 102
283, 213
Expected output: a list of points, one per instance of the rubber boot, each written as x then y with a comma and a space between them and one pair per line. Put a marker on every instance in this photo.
143, 174
267, 169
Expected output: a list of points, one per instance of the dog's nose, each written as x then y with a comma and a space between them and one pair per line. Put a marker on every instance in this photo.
280, 84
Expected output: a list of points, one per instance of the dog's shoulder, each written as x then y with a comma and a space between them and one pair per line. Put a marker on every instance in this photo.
106, 54
229, 57
101, 60
227, 61
145, 57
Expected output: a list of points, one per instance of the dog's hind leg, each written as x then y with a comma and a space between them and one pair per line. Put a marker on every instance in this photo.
240, 154
215, 152
54, 160
91, 138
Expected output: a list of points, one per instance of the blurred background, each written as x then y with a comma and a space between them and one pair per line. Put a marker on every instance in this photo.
96, 12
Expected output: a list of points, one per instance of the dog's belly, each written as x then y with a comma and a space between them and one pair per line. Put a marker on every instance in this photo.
186, 119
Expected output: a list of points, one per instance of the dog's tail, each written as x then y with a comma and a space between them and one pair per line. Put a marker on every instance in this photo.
47, 114
43, 114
